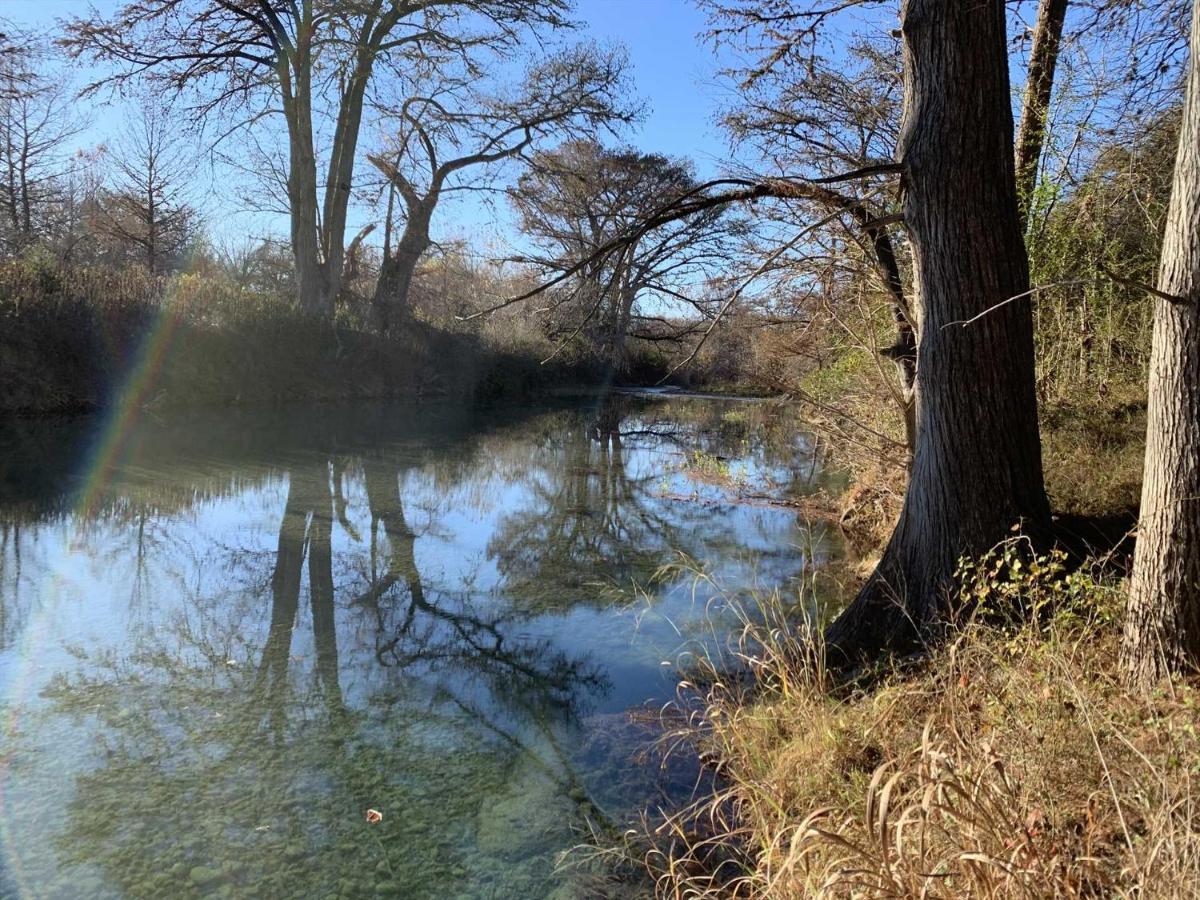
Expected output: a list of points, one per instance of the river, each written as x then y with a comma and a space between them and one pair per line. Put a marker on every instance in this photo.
225, 636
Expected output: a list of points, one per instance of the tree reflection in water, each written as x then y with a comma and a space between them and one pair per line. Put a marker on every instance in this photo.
233, 743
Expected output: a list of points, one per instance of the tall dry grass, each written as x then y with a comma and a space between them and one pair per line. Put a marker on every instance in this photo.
81, 337
1007, 762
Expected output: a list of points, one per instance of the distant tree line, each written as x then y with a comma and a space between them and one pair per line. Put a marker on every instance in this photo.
128, 202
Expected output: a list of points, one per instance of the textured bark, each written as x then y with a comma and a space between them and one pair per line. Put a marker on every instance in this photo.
1039, 84
977, 468
1162, 625
390, 302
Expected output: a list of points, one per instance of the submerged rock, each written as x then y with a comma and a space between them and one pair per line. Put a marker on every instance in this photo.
204, 876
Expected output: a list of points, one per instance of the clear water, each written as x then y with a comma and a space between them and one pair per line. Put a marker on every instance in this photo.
224, 637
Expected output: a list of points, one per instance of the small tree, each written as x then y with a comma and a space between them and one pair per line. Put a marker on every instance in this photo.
146, 210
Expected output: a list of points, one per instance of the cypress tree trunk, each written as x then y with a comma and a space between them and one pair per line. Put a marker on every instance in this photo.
390, 302
977, 468
1162, 625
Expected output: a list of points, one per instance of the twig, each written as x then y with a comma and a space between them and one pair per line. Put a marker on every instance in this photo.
1034, 290
1129, 282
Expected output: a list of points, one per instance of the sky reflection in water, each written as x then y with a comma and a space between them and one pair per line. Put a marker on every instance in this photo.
262, 625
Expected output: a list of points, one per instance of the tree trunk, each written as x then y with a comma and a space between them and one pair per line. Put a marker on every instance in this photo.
321, 589
340, 177
26, 204
977, 469
151, 231
1162, 625
387, 506
294, 71
302, 203
285, 587
1043, 59
390, 303
620, 332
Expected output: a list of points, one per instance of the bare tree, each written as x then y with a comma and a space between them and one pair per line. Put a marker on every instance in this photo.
578, 198
36, 122
80, 200
1162, 626
309, 57
455, 129
147, 208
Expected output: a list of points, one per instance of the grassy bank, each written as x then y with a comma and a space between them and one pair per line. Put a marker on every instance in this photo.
82, 338
1007, 763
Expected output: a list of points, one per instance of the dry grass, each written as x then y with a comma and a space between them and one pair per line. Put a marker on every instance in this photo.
1093, 449
80, 338
1007, 763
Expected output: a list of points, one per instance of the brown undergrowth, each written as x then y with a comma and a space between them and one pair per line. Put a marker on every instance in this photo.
80, 338
1007, 762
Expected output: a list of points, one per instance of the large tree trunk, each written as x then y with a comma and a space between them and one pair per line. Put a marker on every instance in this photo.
340, 177
977, 469
1162, 625
311, 277
1043, 59
390, 303
319, 231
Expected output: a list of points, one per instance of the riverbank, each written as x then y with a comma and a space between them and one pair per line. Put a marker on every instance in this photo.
1008, 762
81, 339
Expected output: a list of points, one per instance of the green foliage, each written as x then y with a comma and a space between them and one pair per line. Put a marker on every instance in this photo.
1092, 331
1011, 581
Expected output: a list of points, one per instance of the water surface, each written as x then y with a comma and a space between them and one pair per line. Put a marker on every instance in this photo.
225, 636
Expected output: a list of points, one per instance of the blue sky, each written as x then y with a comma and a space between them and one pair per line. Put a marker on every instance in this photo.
672, 67
673, 70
